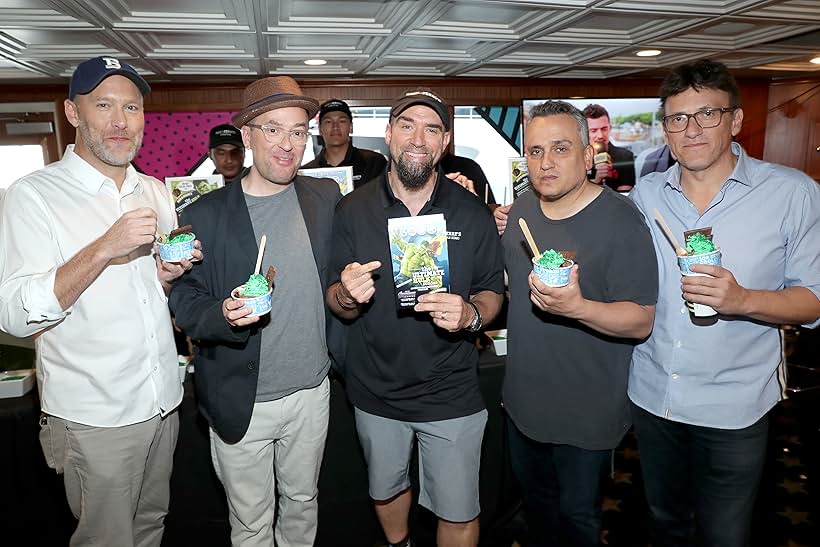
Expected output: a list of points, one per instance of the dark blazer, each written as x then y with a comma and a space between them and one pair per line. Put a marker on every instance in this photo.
227, 359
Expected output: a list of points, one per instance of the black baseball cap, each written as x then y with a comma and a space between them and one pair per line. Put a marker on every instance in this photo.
225, 134
334, 105
422, 96
89, 74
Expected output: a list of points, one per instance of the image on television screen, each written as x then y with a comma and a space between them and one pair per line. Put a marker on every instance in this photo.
635, 125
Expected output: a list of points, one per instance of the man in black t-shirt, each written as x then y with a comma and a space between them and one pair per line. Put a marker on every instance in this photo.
335, 127
570, 347
412, 376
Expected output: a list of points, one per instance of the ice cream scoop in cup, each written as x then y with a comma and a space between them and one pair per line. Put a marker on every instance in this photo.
177, 248
552, 268
700, 250
254, 294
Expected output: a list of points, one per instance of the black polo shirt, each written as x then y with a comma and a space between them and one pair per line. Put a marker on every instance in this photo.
367, 164
399, 365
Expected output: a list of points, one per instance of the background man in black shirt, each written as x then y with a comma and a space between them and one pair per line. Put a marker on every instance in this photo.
226, 150
335, 127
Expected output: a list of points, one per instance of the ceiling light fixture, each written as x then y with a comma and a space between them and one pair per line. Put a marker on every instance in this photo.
648, 53
815, 61
315, 62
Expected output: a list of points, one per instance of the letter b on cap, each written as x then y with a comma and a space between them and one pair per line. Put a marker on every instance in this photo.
111, 63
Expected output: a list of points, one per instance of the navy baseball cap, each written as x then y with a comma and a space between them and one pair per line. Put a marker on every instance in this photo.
89, 74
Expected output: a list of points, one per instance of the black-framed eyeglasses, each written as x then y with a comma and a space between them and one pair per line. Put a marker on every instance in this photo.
706, 118
275, 135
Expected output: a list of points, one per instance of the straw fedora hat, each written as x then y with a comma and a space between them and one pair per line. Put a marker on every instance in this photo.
270, 93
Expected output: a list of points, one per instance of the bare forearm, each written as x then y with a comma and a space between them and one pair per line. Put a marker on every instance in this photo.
76, 275
620, 319
793, 305
340, 305
488, 304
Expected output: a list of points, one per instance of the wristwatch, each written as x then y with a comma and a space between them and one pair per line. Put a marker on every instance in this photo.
475, 324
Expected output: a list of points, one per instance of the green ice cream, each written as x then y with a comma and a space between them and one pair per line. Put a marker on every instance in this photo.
699, 244
256, 285
552, 259
180, 238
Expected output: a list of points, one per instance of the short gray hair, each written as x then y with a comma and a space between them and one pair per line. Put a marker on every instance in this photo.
556, 108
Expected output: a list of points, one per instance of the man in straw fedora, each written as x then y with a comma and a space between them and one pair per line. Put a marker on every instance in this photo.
262, 381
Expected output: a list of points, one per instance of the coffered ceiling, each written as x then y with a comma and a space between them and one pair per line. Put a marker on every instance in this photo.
220, 40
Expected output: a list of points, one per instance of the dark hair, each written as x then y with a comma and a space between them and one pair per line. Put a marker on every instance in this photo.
702, 74
556, 108
595, 111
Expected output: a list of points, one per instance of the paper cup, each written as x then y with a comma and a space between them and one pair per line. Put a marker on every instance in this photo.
260, 305
558, 277
176, 252
685, 263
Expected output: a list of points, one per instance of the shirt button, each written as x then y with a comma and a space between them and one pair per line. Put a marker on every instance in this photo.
144, 300
155, 369
678, 343
251, 366
675, 376
683, 309
152, 336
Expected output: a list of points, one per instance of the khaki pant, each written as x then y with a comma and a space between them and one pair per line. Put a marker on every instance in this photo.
281, 451
116, 478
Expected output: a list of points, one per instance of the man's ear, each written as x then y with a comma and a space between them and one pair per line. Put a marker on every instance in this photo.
72, 113
737, 121
246, 136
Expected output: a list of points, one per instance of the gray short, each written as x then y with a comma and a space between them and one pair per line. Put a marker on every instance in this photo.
449, 458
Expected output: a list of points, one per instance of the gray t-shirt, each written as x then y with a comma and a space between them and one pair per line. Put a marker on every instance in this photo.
566, 383
294, 352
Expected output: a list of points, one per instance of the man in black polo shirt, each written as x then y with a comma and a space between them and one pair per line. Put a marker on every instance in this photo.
412, 376
335, 127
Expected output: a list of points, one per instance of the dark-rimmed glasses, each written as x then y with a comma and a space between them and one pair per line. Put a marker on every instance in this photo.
275, 135
706, 118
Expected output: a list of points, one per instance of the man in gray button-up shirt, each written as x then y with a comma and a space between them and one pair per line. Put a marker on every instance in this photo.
702, 387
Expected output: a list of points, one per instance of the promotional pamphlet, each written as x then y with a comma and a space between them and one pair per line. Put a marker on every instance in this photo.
342, 175
187, 190
418, 251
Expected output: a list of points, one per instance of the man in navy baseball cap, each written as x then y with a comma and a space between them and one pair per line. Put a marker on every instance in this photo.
90, 73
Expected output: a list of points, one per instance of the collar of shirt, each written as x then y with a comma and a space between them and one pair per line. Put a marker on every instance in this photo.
436, 203
91, 179
348, 159
741, 173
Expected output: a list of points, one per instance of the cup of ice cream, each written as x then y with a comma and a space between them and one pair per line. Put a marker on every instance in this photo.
177, 248
552, 268
255, 294
699, 250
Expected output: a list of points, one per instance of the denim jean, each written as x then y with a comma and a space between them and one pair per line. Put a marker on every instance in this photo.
562, 490
700, 482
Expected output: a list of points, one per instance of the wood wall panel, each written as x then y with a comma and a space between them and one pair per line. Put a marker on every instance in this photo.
181, 97
794, 112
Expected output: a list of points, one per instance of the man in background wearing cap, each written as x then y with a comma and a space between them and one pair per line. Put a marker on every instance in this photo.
335, 127
262, 381
77, 269
412, 376
226, 150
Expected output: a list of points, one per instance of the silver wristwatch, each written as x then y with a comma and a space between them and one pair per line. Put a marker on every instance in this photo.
475, 324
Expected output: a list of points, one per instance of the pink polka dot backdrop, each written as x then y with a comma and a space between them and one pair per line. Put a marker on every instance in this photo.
175, 142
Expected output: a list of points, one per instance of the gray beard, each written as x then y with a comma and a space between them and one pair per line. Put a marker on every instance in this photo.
413, 175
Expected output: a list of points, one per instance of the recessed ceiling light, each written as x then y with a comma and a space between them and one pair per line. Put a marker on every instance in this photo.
648, 53
315, 62
816, 61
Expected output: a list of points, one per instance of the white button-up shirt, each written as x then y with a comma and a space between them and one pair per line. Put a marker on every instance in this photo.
109, 360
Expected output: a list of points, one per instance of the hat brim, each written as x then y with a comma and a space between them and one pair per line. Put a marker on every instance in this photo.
138, 80
406, 102
272, 103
